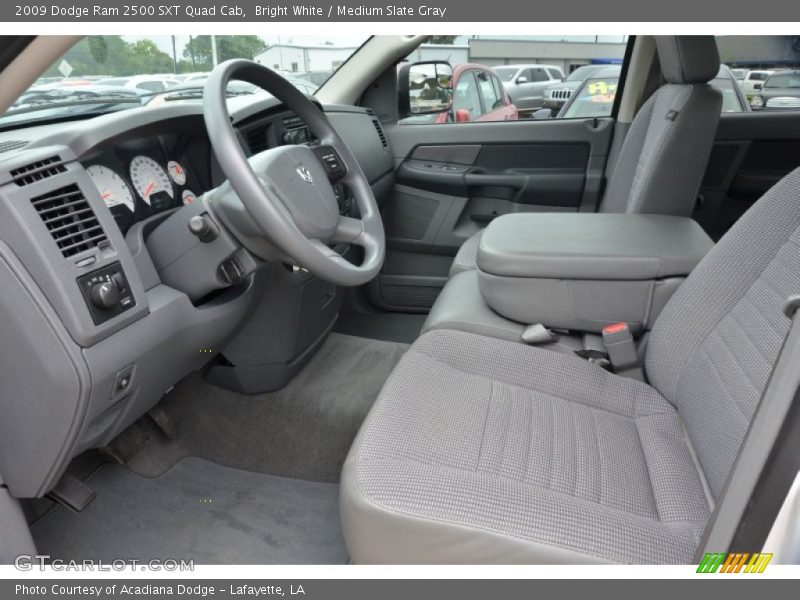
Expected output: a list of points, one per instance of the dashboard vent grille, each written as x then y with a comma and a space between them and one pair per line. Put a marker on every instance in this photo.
12, 145
257, 140
292, 122
70, 220
381, 135
37, 171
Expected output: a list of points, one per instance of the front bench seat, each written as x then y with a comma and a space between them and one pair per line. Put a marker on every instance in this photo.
663, 158
480, 450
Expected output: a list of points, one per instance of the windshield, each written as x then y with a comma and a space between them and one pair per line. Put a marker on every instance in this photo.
580, 73
506, 73
595, 99
107, 73
784, 80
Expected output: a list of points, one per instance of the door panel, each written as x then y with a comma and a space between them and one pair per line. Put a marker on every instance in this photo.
452, 179
752, 152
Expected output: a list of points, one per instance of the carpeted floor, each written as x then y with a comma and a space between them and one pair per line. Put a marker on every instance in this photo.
303, 431
390, 327
202, 511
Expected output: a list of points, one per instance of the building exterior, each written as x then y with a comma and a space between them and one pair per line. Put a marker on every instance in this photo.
455, 54
760, 52
567, 54
297, 58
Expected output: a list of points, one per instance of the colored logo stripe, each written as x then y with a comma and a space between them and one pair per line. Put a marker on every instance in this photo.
734, 562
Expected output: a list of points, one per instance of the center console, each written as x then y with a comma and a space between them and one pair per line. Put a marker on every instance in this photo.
583, 271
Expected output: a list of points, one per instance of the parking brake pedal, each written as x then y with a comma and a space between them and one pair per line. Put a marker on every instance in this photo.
72, 493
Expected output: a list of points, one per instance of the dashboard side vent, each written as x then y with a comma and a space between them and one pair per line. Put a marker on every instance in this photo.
37, 171
70, 220
381, 135
12, 145
257, 140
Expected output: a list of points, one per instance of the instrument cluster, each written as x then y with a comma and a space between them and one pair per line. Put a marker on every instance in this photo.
135, 186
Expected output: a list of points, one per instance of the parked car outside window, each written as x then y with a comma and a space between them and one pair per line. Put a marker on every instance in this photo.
780, 92
525, 84
556, 95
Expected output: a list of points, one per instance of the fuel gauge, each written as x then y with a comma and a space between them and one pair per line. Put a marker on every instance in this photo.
188, 197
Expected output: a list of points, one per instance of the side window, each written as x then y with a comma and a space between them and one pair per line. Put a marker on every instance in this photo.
498, 88
538, 75
771, 64
521, 75
466, 96
491, 101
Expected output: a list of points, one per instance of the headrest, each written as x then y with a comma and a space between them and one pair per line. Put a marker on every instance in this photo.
688, 58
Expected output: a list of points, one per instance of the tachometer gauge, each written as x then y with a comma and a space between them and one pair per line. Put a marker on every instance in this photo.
188, 196
177, 173
149, 178
112, 187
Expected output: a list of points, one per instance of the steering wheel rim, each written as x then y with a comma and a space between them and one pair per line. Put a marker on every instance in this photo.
288, 190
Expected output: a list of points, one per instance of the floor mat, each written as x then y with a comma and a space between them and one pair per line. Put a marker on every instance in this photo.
202, 511
390, 327
302, 431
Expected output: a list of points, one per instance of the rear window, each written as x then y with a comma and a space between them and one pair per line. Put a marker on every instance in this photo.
784, 80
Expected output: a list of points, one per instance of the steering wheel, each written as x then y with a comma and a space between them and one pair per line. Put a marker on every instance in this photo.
287, 191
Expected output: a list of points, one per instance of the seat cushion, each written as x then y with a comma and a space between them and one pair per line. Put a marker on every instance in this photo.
467, 256
481, 450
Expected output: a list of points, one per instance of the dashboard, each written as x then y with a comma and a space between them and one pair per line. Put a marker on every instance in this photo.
91, 333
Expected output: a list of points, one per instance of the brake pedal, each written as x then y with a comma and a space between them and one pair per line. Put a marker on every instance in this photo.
72, 493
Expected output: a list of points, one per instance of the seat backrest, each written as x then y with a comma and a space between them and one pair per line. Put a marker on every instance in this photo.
714, 345
663, 158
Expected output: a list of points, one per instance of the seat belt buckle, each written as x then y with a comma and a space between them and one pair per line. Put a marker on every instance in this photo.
621, 350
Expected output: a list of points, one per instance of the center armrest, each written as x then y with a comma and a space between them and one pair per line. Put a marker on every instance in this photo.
592, 246
581, 271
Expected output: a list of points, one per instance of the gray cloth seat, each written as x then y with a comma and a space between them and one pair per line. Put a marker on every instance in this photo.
664, 155
482, 450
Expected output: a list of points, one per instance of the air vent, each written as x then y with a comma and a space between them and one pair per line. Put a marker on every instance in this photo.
257, 140
37, 171
381, 135
292, 122
12, 145
70, 220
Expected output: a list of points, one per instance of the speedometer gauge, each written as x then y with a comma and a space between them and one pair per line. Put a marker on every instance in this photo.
149, 178
112, 187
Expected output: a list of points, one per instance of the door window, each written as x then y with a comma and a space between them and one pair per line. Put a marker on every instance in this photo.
466, 96
505, 60
491, 100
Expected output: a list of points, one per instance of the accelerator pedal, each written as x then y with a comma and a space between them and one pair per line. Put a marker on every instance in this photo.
72, 493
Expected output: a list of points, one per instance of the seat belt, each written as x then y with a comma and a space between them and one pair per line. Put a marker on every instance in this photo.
727, 529
621, 350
